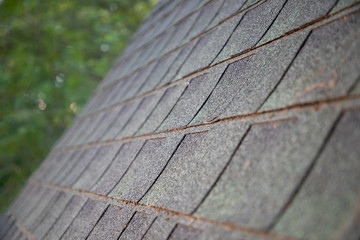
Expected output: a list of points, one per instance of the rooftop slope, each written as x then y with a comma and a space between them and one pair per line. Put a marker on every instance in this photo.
234, 119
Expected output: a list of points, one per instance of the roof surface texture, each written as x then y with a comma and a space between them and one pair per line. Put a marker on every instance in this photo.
222, 119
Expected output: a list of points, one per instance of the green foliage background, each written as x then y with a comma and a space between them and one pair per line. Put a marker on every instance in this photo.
53, 54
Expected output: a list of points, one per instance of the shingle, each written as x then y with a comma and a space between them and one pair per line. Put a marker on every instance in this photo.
17, 208
51, 216
330, 192
85, 220
193, 168
215, 232
17, 235
265, 170
65, 165
208, 47
80, 164
191, 100
162, 109
115, 96
326, 67
228, 8
13, 228
249, 32
163, 65
145, 108
107, 119
295, 14
180, 32
55, 164
158, 47
138, 81
243, 88
66, 217
355, 90
160, 229
32, 204
117, 167
124, 114
182, 232
186, 8
145, 169
95, 120
342, 4
111, 224
45, 166
40, 211
72, 138
165, 22
97, 166
206, 16
179, 61
137, 226
5, 225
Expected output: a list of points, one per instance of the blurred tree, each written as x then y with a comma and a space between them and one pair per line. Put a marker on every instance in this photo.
52, 56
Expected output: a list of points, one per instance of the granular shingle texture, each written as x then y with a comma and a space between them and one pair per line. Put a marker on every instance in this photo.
222, 119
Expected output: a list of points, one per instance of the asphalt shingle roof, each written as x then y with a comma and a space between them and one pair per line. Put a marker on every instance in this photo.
220, 120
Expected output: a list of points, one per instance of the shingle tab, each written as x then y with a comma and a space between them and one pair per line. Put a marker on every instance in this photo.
111, 224
194, 168
117, 167
65, 219
327, 198
85, 220
138, 225
182, 232
148, 164
326, 67
262, 174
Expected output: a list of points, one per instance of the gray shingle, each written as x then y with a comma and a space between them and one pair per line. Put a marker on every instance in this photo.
160, 229
124, 114
85, 220
65, 164
79, 166
97, 166
192, 99
206, 16
194, 168
228, 8
182, 232
265, 169
107, 119
242, 88
179, 61
342, 4
180, 32
117, 167
162, 109
326, 67
138, 82
163, 65
330, 193
295, 14
111, 224
145, 108
208, 47
138, 225
186, 8
52, 214
249, 32
145, 169
66, 217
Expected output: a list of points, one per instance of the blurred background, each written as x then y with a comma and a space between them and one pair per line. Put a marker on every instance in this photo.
53, 54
